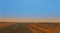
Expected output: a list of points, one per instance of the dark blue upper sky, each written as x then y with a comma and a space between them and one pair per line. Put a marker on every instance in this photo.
30, 8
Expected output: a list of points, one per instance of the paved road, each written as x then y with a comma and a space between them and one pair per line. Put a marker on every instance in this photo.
18, 28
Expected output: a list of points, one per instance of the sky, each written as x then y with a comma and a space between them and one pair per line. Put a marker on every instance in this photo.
30, 8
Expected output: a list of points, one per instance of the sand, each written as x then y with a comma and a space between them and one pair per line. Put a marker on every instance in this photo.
52, 20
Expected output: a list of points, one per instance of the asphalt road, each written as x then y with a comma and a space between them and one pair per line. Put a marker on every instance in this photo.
18, 28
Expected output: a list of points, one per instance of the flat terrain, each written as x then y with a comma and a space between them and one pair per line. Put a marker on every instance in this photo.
32, 27
51, 20
44, 27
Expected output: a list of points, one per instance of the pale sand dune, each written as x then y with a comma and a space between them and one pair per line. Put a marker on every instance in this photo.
29, 19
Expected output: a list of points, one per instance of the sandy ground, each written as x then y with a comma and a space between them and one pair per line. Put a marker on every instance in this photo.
44, 28
52, 20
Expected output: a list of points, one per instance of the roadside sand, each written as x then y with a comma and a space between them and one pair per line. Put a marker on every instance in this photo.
53, 20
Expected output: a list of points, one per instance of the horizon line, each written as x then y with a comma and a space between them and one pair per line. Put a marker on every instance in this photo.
53, 20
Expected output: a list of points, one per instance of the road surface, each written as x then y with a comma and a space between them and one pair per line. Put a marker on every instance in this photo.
17, 28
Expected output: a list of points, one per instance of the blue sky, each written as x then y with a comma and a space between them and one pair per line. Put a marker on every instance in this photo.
30, 8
